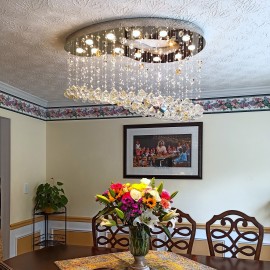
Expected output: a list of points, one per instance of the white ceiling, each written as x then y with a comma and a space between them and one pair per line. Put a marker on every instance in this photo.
236, 57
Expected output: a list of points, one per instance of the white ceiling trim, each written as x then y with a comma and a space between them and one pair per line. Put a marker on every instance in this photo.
245, 91
23, 95
234, 92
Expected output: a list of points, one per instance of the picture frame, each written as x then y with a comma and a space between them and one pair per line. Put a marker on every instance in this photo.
163, 151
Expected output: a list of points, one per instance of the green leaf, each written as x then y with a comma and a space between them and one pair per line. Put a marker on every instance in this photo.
153, 182
166, 230
102, 199
104, 211
119, 213
119, 204
160, 188
59, 183
112, 192
174, 194
147, 230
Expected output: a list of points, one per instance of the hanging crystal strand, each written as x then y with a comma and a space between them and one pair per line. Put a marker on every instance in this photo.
91, 80
85, 79
98, 63
121, 81
105, 93
199, 76
69, 93
113, 93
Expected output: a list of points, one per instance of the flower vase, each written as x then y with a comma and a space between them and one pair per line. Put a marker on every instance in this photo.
138, 247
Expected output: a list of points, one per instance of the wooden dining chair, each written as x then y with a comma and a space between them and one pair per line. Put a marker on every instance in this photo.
113, 237
182, 236
234, 233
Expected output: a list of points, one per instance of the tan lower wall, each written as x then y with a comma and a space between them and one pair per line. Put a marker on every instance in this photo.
25, 244
79, 238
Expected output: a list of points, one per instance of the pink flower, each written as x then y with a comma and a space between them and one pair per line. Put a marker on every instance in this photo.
127, 196
116, 186
165, 195
165, 203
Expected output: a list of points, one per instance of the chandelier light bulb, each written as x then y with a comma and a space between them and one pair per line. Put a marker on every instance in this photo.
171, 43
163, 33
118, 50
181, 33
191, 47
94, 50
156, 59
80, 50
136, 33
138, 55
111, 36
186, 37
89, 42
178, 56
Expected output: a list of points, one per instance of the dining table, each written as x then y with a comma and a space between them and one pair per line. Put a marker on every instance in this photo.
44, 259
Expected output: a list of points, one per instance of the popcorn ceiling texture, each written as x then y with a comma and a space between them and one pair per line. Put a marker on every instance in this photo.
236, 57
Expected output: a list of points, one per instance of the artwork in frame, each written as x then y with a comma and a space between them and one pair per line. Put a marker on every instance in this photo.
172, 151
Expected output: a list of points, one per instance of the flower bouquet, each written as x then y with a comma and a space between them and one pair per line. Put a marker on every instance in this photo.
140, 206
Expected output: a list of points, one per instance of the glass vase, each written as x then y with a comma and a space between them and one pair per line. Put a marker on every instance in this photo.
138, 247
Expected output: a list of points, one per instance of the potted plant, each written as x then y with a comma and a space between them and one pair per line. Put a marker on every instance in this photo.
50, 197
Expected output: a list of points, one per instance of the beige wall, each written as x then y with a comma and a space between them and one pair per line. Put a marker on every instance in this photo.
28, 162
88, 154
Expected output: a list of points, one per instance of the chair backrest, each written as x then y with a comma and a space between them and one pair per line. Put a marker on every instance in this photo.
234, 228
182, 235
113, 237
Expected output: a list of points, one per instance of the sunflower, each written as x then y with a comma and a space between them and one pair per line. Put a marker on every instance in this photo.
150, 202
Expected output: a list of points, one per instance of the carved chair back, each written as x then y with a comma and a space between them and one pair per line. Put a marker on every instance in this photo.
234, 228
182, 235
114, 237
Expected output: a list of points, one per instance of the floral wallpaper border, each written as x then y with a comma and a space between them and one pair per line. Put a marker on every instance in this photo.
215, 105
22, 106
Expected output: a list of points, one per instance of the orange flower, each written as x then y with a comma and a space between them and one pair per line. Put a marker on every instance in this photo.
150, 202
111, 198
165, 203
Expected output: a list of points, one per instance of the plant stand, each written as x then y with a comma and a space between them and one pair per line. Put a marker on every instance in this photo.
47, 238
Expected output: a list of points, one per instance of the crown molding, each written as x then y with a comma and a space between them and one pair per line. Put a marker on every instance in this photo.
67, 103
235, 92
16, 92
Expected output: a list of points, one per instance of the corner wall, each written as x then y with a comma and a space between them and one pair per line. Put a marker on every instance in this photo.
88, 154
28, 162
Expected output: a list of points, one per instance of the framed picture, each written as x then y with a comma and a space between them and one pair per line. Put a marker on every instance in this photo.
163, 151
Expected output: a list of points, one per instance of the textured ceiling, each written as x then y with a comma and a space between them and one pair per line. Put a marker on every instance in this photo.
237, 32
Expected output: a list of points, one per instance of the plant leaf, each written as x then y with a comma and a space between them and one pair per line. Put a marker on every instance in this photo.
119, 213
153, 182
104, 211
112, 192
147, 230
166, 230
102, 199
174, 194
160, 188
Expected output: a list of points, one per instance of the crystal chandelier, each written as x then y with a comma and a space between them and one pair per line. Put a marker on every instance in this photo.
147, 65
